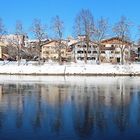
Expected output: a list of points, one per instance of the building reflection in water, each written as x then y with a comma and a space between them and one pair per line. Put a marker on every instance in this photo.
94, 107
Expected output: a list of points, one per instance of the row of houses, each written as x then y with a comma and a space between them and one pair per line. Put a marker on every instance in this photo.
111, 50
75, 50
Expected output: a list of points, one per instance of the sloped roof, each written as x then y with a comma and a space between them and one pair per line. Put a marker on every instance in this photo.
115, 39
53, 41
91, 42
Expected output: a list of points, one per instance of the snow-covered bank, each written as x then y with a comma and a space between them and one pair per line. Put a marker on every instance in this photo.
73, 69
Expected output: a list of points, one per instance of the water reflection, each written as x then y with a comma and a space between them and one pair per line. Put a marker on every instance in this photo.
70, 108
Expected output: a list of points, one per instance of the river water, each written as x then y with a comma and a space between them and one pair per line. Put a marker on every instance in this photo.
69, 108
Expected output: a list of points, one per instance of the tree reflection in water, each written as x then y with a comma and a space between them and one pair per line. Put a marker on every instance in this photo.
71, 109
83, 120
58, 119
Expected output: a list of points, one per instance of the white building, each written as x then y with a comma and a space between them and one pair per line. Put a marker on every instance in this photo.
114, 50
79, 50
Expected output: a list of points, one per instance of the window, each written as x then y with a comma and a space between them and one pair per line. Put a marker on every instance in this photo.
93, 58
102, 51
80, 51
94, 51
46, 52
117, 52
80, 58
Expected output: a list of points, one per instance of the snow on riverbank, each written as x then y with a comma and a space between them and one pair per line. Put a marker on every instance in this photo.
73, 69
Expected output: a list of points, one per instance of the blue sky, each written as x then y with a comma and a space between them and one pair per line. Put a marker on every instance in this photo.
27, 10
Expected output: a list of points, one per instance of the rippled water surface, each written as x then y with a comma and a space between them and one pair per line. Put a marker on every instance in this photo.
69, 108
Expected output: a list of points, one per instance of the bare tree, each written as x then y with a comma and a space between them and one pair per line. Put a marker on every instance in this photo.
58, 28
100, 33
40, 34
20, 36
84, 25
2, 29
17, 40
122, 31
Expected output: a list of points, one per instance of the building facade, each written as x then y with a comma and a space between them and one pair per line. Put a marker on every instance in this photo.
114, 50
3, 51
79, 50
50, 51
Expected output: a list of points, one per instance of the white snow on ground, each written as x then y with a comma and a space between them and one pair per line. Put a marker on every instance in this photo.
69, 69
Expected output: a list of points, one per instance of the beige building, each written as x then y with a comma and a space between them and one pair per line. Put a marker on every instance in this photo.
3, 50
51, 51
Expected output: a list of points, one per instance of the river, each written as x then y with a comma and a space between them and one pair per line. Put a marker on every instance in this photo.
69, 108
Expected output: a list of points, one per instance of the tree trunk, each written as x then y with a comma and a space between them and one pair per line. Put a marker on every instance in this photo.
122, 60
18, 57
86, 50
98, 57
39, 51
74, 55
59, 54
85, 55
59, 57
